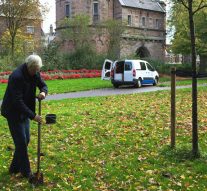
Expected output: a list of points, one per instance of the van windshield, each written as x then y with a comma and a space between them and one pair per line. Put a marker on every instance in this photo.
150, 68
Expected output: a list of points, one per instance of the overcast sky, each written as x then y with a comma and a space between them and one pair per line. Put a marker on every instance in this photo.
51, 15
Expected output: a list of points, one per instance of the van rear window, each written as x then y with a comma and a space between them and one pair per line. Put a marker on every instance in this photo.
108, 66
127, 66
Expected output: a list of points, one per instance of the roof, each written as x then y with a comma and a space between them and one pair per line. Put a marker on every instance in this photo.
152, 5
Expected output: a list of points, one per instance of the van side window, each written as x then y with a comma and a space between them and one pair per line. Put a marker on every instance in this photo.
127, 66
150, 68
143, 66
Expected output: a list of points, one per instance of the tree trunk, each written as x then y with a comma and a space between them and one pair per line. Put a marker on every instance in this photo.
12, 47
194, 83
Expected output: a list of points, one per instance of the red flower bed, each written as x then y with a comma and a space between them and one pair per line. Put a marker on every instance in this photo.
59, 74
3, 81
5, 73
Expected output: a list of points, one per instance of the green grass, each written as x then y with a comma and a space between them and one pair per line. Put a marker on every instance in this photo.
115, 143
165, 82
70, 85
73, 85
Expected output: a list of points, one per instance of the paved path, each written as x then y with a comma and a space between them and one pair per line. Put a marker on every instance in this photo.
110, 91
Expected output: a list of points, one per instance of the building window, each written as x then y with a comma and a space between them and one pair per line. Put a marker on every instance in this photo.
95, 11
150, 22
95, 8
30, 29
143, 21
156, 23
68, 10
129, 20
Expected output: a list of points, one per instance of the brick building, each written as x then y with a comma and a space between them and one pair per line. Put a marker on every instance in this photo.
145, 20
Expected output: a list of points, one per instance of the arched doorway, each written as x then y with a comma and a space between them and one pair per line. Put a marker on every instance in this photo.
143, 52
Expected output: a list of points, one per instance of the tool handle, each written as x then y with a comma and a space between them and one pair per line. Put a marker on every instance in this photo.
39, 139
40, 107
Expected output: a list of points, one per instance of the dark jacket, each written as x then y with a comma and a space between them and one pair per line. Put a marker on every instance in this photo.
19, 99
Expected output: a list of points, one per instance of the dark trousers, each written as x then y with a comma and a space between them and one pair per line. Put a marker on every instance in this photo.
20, 132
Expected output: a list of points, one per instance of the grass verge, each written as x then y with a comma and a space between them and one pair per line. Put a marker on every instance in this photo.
165, 81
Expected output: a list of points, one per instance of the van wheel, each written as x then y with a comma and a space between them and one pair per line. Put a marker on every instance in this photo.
138, 84
116, 85
155, 81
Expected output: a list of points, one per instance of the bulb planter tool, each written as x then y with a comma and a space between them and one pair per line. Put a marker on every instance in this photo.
50, 119
37, 178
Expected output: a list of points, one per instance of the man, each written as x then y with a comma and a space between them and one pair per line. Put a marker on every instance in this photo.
18, 107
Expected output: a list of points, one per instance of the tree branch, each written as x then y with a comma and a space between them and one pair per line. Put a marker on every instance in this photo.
200, 7
184, 4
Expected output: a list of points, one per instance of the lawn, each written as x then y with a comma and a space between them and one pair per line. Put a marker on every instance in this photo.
73, 85
115, 143
165, 81
70, 85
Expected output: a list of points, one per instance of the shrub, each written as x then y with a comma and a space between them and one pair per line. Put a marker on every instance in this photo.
6, 63
50, 56
164, 68
84, 57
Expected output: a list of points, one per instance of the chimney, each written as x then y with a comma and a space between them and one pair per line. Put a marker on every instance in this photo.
51, 29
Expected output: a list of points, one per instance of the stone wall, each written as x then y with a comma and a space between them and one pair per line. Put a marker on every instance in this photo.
150, 37
154, 50
84, 7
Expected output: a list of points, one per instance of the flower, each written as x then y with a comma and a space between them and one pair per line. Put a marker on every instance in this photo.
59, 74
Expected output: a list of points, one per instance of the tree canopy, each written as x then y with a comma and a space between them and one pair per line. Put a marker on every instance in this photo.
18, 14
77, 30
180, 23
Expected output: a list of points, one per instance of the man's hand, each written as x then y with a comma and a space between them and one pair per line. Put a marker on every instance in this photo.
41, 96
38, 119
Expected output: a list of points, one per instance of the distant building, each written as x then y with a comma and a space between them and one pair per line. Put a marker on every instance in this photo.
48, 37
172, 58
145, 29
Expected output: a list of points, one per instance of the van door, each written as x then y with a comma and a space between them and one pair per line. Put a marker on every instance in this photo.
119, 71
150, 70
143, 71
128, 73
106, 70
150, 73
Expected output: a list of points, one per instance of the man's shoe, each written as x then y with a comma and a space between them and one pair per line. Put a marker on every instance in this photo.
36, 179
26, 175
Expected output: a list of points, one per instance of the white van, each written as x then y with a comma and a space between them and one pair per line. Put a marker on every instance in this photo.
129, 72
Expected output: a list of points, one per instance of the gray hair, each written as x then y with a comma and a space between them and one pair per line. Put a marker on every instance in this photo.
33, 61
